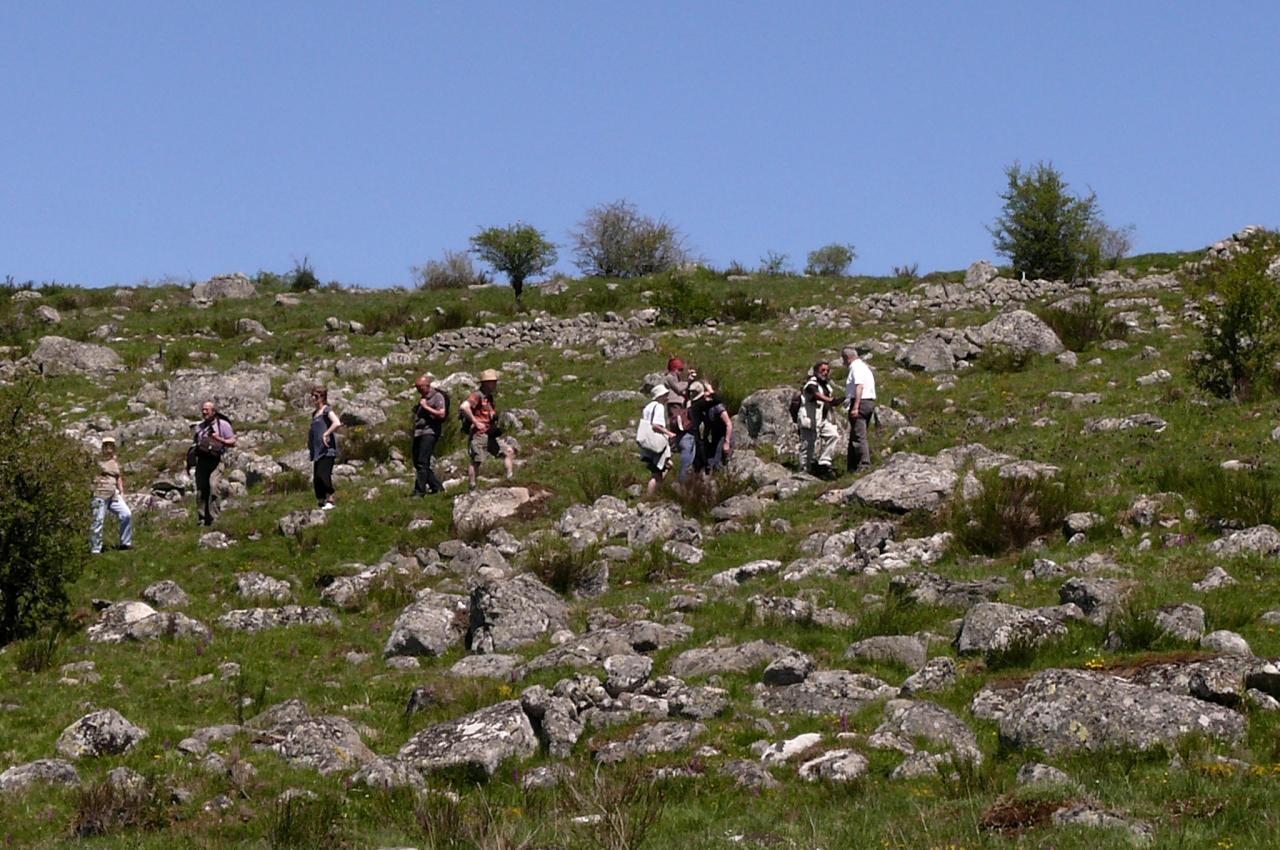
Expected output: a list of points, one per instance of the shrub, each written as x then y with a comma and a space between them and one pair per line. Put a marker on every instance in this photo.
45, 478
679, 302
615, 240
1223, 497
600, 298
364, 442
1083, 323
1044, 230
907, 272
1010, 512
830, 260
1004, 359
774, 264
1138, 630
452, 317
303, 277
519, 251
1242, 322
741, 307
559, 566
454, 271
700, 493
104, 807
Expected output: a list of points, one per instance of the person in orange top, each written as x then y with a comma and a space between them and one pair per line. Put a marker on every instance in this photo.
481, 415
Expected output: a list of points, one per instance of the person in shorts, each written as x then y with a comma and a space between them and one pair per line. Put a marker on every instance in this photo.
481, 416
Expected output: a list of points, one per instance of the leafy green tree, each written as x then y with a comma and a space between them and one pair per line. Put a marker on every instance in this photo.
831, 260
1044, 230
615, 240
520, 251
1242, 321
45, 478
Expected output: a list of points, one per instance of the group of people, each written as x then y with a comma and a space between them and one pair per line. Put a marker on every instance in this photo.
684, 415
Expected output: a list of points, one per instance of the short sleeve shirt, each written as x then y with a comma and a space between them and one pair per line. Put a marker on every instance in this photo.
106, 478
860, 373
482, 411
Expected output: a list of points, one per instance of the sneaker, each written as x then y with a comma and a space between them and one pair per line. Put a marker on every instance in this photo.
327, 506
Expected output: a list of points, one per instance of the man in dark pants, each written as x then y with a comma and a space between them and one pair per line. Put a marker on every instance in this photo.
860, 391
428, 418
213, 436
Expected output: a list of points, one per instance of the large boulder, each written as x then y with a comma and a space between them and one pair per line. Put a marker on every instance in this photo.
1020, 330
510, 613
998, 627
483, 739
430, 625
929, 353
53, 771
764, 417
222, 287
705, 660
1259, 540
100, 733
242, 394
486, 508
1063, 710
55, 355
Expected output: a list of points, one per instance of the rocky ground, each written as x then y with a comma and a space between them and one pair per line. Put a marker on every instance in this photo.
767, 660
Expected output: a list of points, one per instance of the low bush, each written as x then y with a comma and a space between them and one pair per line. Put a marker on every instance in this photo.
1137, 630
1011, 512
831, 260
105, 807
700, 493
364, 442
289, 481
454, 271
682, 302
1004, 359
602, 474
1083, 324
774, 264
740, 307
451, 317
560, 566
303, 277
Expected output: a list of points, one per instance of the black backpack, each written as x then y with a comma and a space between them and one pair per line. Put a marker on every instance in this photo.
448, 403
793, 407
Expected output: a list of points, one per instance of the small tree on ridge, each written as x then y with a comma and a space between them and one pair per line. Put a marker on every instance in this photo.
520, 251
1044, 230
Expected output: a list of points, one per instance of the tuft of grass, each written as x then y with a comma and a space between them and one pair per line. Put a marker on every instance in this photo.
1224, 498
289, 481
601, 474
104, 808
701, 493
559, 566
40, 651
1010, 512
369, 443
305, 823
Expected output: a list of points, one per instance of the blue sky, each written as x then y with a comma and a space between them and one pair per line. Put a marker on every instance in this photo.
144, 140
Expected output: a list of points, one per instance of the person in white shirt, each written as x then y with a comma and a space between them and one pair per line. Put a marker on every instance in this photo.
654, 437
860, 392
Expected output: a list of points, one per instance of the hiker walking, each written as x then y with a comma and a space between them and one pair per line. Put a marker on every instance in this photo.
817, 432
429, 414
322, 443
213, 436
108, 495
654, 437
860, 391
480, 416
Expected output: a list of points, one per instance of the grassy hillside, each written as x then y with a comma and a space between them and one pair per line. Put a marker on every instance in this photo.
748, 335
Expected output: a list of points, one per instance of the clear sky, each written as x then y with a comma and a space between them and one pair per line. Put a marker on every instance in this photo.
150, 139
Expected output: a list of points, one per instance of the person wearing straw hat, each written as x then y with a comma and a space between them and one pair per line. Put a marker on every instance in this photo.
654, 437
108, 495
480, 415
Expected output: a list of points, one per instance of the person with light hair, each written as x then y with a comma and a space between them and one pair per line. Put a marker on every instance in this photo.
429, 413
213, 435
108, 495
860, 392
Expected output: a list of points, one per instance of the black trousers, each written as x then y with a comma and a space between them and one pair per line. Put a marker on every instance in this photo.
322, 478
425, 480
206, 501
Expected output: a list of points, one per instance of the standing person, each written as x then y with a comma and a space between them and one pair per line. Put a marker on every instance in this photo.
717, 426
108, 495
654, 437
481, 416
323, 445
429, 414
213, 436
678, 418
861, 393
817, 431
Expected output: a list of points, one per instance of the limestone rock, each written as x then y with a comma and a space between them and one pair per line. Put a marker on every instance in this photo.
486, 508
998, 626
430, 625
100, 733
1182, 621
906, 650
506, 614
834, 766
52, 771
257, 619
166, 594
223, 287
1020, 330
54, 356
254, 585
1260, 539
824, 692
741, 658
665, 736
936, 676
482, 740
1225, 642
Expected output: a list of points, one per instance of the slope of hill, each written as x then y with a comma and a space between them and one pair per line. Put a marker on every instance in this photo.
1043, 619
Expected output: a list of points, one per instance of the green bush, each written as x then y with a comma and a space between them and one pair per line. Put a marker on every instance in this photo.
364, 442
303, 277
1044, 230
1242, 323
1004, 359
831, 260
559, 566
774, 264
1082, 324
682, 302
45, 478
519, 251
1011, 512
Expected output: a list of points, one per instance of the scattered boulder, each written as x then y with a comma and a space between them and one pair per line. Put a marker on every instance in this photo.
834, 766
666, 736
166, 594
929, 722
936, 676
1259, 540
906, 650
703, 661
1215, 579
242, 393
223, 287
430, 625
1225, 642
486, 508
1181, 622
100, 733
742, 574
257, 619
507, 614
998, 627
54, 356
1020, 330
52, 771
291, 524
254, 585
824, 692
481, 740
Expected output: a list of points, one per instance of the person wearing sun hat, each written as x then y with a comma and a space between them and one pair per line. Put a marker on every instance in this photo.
654, 437
108, 495
480, 415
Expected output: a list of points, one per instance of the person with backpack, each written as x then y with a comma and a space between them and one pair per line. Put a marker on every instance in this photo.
429, 414
818, 433
322, 444
715, 423
860, 390
108, 495
213, 436
654, 437
480, 421
678, 419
